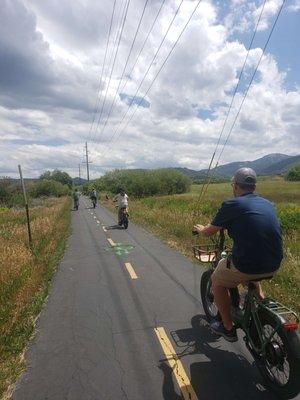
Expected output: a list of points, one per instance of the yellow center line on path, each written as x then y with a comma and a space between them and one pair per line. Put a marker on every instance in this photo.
183, 381
130, 270
111, 242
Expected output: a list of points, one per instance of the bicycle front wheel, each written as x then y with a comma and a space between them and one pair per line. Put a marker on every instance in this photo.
207, 296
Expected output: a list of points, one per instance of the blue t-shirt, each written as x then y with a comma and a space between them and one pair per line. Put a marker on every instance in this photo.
252, 223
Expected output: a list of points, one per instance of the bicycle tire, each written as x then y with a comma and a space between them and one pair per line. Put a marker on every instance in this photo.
290, 349
207, 296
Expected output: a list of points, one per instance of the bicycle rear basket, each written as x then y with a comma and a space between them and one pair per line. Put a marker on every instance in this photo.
205, 253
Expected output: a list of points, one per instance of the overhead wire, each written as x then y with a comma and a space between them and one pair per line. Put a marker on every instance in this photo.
114, 62
125, 66
143, 46
119, 18
148, 69
161, 67
231, 103
246, 92
99, 91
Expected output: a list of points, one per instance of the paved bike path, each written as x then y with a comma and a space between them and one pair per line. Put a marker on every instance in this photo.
98, 338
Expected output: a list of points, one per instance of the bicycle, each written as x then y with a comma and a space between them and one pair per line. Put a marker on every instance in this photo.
94, 202
123, 217
269, 326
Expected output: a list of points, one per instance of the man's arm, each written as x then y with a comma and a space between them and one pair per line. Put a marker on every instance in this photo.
207, 230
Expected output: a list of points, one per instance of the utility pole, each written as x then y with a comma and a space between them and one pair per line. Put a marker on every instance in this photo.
87, 162
79, 172
26, 207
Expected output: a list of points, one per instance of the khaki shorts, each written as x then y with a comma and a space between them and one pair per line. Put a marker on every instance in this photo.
231, 277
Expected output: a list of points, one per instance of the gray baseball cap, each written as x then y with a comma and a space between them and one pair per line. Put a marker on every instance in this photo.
244, 176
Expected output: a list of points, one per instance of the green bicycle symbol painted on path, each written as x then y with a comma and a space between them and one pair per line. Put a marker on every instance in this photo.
120, 249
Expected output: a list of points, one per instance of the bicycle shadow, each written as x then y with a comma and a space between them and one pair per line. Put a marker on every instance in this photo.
222, 375
112, 227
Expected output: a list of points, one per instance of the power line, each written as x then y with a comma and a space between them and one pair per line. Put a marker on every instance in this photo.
231, 103
246, 92
99, 95
148, 69
113, 51
114, 61
125, 66
161, 67
143, 46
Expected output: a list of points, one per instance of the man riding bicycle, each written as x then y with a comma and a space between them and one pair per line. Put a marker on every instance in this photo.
122, 203
76, 196
93, 196
252, 223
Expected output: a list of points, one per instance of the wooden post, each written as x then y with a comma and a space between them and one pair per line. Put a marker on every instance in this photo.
26, 207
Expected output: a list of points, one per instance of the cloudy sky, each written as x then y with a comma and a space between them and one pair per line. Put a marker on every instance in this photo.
51, 60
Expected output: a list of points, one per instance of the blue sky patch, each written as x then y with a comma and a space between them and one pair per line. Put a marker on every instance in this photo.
139, 101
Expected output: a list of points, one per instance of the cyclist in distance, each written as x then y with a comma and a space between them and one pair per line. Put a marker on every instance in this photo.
93, 196
252, 224
76, 196
122, 203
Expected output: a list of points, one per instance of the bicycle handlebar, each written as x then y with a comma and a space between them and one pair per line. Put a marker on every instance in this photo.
219, 242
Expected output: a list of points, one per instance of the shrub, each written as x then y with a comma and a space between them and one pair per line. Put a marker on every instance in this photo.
58, 176
5, 190
289, 217
293, 174
142, 183
10, 193
48, 188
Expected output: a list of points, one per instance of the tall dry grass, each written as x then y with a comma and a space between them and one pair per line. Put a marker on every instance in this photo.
25, 275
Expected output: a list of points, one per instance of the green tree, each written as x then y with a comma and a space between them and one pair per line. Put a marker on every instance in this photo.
141, 183
44, 188
293, 174
58, 176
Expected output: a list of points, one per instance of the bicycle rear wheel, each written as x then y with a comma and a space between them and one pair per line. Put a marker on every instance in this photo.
280, 367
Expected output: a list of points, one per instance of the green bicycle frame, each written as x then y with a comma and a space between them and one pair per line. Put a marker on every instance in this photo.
249, 315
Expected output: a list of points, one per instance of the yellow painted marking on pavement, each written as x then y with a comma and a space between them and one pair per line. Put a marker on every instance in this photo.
111, 242
105, 230
183, 381
130, 270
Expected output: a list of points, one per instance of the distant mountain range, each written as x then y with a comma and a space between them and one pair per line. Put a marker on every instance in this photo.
271, 164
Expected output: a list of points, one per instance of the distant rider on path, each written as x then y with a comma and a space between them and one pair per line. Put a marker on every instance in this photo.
122, 203
76, 196
252, 223
93, 196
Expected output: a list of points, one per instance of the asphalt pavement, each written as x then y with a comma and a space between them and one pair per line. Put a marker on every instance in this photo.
124, 320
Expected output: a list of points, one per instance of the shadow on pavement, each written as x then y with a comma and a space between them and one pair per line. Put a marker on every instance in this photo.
118, 227
168, 388
221, 374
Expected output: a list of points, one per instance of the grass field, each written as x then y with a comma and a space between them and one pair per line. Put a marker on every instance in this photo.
172, 217
25, 277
